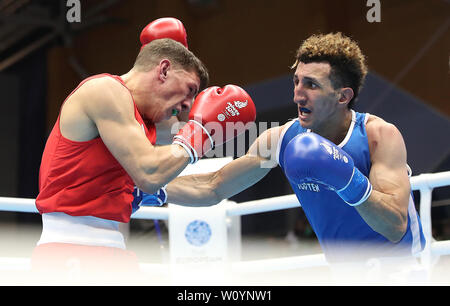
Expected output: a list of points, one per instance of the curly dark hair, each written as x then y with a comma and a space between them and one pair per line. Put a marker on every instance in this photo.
348, 67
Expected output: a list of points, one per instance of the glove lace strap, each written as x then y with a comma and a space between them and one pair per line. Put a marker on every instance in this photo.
204, 131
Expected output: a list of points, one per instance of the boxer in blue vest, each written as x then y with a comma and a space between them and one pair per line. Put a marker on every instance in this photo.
348, 169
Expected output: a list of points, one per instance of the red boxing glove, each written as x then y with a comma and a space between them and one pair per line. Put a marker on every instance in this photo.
167, 27
217, 116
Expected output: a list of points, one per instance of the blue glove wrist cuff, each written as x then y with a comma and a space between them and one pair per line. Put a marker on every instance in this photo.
155, 199
141, 198
357, 190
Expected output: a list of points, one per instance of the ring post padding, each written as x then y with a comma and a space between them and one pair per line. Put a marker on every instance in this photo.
197, 239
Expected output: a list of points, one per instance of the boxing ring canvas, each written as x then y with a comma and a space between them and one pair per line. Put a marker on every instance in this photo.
205, 244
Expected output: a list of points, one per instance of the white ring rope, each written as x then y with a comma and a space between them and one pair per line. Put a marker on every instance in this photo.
420, 182
425, 183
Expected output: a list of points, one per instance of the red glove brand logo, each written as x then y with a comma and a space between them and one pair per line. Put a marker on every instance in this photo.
240, 104
232, 110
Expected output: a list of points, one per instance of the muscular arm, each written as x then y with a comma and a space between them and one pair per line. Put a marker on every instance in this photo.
386, 209
104, 107
211, 188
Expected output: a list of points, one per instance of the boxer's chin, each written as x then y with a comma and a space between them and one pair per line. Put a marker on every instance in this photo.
305, 119
161, 117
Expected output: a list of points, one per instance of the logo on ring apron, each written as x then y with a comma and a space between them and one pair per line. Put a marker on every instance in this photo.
198, 232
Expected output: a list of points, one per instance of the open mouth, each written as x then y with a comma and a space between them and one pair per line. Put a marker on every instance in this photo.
304, 111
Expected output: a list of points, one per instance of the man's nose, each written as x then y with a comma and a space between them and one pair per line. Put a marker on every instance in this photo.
299, 95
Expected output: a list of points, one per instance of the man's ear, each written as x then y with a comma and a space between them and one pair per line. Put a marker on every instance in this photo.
346, 95
164, 67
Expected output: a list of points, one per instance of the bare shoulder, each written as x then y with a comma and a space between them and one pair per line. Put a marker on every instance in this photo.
96, 99
103, 90
388, 155
378, 130
385, 139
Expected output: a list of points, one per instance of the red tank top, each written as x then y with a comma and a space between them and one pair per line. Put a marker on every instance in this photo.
84, 178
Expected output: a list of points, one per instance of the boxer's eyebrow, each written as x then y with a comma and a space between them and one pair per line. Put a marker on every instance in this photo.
308, 79
312, 80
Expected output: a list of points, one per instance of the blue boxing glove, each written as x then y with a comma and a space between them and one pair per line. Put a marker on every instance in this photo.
310, 157
144, 199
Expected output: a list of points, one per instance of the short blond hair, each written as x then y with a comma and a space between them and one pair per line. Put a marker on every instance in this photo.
152, 53
348, 64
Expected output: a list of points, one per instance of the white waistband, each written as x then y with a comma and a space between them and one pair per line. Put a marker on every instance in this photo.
58, 227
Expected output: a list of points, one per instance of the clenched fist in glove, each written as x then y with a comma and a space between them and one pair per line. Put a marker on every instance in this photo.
213, 111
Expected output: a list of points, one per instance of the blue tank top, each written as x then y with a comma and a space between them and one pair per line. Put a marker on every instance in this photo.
338, 226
